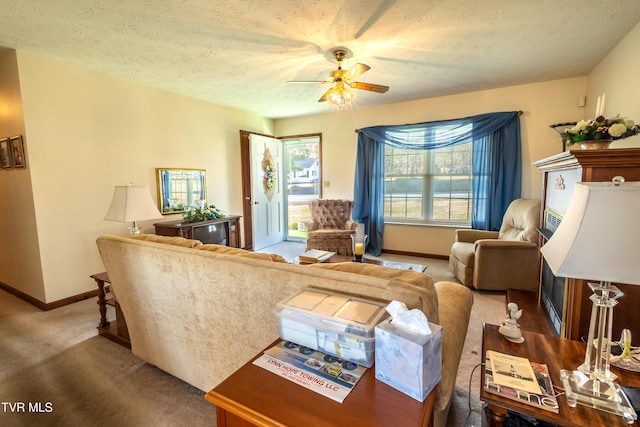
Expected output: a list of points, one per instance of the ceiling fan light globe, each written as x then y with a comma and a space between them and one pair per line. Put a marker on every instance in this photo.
341, 96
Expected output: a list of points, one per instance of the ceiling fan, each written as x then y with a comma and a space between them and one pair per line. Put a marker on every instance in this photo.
340, 94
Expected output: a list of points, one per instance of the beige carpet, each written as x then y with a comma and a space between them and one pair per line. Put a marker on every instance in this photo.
56, 359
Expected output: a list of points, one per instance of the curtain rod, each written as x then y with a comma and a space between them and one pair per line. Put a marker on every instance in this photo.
520, 112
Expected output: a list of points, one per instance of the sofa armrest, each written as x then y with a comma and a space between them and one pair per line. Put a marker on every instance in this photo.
350, 225
454, 310
470, 236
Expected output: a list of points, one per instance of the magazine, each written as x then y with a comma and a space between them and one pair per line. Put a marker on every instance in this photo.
545, 399
322, 373
315, 255
513, 371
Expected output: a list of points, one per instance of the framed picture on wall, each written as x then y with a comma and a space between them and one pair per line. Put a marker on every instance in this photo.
5, 154
17, 151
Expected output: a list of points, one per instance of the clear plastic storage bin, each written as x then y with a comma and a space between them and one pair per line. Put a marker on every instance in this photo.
337, 324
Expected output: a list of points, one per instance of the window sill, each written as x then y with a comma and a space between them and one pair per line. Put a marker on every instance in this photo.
428, 224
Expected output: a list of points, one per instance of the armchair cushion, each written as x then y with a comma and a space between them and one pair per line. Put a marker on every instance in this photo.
520, 221
332, 214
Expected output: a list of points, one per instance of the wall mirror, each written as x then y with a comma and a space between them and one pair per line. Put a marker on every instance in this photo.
180, 189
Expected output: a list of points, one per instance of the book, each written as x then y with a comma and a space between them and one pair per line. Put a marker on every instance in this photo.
315, 255
544, 399
322, 373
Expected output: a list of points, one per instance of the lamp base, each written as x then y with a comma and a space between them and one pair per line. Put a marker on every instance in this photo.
602, 395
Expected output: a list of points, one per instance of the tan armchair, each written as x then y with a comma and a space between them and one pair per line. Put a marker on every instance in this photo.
498, 260
331, 226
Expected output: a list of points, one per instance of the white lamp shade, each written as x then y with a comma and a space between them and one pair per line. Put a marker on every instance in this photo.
599, 237
132, 203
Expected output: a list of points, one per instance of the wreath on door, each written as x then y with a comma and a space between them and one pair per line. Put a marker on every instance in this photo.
269, 177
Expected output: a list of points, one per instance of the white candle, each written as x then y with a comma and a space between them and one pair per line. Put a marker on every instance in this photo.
598, 107
602, 106
358, 248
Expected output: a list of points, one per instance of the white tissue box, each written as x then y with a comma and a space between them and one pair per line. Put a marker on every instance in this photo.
411, 363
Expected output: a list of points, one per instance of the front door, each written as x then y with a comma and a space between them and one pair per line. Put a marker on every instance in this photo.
267, 199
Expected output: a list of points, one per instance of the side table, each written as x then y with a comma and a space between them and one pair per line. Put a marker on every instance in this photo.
556, 353
115, 330
253, 396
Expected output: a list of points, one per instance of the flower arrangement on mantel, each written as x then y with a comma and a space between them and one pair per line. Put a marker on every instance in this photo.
601, 129
203, 214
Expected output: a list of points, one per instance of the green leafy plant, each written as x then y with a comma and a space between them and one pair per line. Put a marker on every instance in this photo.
203, 214
601, 129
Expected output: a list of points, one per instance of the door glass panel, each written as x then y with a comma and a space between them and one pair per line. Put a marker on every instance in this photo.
303, 174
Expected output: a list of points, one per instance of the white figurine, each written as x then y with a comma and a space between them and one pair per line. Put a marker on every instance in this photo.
509, 327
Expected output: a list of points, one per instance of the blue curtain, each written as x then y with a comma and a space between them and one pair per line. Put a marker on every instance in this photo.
497, 165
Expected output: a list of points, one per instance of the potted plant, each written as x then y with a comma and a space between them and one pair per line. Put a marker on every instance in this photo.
600, 132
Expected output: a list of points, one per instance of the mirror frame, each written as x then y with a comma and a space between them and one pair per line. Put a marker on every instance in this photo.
164, 176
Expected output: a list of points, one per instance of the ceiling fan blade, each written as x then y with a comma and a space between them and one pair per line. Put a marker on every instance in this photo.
308, 81
326, 95
369, 86
356, 70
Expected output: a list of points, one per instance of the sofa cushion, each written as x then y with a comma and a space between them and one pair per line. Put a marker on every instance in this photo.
220, 249
169, 240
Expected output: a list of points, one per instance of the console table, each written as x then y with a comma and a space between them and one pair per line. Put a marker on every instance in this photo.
254, 396
185, 229
556, 353
116, 330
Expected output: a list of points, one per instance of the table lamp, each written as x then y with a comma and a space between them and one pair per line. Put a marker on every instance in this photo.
132, 203
598, 240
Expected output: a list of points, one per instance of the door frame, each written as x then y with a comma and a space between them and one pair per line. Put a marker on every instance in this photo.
245, 170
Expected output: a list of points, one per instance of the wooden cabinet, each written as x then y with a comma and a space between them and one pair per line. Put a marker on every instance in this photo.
566, 301
224, 231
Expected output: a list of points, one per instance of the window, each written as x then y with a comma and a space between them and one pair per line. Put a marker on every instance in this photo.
428, 186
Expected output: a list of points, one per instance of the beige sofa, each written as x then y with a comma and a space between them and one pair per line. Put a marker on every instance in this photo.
199, 312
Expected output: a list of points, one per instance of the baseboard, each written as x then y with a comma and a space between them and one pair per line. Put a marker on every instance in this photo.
52, 305
418, 254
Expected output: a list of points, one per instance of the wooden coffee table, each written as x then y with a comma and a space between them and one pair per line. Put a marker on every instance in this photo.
254, 396
556, 353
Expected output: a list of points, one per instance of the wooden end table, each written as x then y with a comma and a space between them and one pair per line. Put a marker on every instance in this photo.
253, 396
115, 330
556, 353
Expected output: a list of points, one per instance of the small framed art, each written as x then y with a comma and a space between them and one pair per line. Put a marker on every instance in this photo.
17, 151
5, 154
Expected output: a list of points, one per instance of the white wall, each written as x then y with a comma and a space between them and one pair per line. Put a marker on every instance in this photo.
542, 103
19, 251
86, 132
617, 78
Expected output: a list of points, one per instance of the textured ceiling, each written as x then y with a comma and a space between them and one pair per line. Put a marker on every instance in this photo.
241, 53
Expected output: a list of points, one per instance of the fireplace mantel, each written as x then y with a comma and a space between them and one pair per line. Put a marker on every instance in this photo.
560, 174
